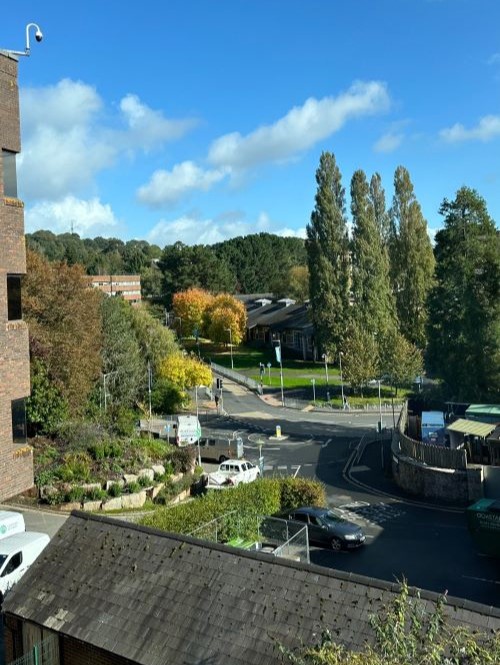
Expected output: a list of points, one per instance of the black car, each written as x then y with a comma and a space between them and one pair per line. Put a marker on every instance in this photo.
325, 527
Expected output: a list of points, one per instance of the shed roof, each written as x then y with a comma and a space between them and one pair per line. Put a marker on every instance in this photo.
471, 427
154, 597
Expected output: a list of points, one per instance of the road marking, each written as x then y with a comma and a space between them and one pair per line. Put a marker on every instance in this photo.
481, 579
281, 467
296, 471
326, 443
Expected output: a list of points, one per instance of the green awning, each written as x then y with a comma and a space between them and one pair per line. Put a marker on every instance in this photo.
471, 427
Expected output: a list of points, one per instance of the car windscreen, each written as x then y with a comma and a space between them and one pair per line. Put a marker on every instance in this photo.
3, 558
332, 517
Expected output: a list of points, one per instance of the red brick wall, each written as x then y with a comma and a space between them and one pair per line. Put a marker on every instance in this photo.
16, 461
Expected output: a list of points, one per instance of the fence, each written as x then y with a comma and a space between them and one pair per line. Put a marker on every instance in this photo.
43, 653
289, 540
236, 377
436, 456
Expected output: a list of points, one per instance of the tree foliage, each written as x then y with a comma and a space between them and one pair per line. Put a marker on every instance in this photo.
226, 313
400, 360
63, 315
46, 408
156, 342
328, 257
184, 371
412, 259
464, 324
123, 363
373, 304
360, 357
191, 306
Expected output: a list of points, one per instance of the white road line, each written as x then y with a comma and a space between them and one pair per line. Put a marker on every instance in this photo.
481, 579
296, 471
281, 467
326, 443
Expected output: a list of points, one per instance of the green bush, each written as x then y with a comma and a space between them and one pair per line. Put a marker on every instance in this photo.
123, 420
296, 492
133, 487
105, 450
95, 494
115, 490
172, 489
76, 466
154, 449
144, 481
76, 493
182, 459
80, 435
46, 477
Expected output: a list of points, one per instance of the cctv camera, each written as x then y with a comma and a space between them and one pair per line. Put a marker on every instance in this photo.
38, 35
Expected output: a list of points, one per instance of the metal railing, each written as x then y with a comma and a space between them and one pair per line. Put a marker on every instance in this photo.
235, 376
43, 653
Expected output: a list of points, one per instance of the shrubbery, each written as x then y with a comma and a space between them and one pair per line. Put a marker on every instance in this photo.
241, 507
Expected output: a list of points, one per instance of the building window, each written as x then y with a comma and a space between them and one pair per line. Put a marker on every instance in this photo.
9, 174
14, 308
19, 432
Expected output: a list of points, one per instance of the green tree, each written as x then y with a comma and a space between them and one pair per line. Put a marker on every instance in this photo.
412, 259
156, 342
64, 321
360, 357
400, 360
328, 257
464, 304
123, 364
373, 304
377, 199
46, 408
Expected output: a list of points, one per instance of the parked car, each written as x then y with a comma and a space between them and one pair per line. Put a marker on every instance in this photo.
232, 473
325, 527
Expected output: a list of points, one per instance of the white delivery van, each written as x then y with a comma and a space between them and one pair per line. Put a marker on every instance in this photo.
11, 523
17, 553
182, 430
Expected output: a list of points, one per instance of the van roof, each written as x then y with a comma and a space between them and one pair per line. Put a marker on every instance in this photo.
9, 514
18, 540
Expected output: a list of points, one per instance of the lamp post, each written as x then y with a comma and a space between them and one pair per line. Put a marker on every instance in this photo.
313, 381
104, 377
281, 374
230, 345
341, 379
149, 395
180, 327
198, 420
379, 405
325, 358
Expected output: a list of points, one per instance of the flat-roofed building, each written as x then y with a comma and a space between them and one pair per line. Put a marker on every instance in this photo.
127, 286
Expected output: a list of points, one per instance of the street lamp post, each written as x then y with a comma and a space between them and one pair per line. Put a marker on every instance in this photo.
149, 395
341, 379
198, 420
104, 377
281, 375
180, 327
379, 406
230, 345
325, 358
313, 381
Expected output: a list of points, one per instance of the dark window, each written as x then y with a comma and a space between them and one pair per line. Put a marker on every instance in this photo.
15, 561
300, 517
19, 433
14, 308
9, 173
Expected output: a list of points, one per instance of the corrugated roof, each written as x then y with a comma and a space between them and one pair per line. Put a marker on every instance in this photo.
471, 427
193, 601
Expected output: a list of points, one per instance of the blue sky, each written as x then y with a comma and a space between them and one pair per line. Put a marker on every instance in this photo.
200, 120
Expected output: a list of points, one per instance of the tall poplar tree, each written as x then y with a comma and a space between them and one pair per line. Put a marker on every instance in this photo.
464, 305
377, 198
412, 259
328, 257
373, 305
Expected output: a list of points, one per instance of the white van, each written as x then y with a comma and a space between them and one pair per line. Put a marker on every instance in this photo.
11, 523
17, 553
182, 430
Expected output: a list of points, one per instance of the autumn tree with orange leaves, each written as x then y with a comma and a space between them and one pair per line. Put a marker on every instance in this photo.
223, 314
190, 306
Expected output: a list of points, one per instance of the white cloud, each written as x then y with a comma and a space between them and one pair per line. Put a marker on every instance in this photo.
168, 187
487, 129
291, 233
88, 218
191, 230
148, 128
67, 140
301, 128
389, 142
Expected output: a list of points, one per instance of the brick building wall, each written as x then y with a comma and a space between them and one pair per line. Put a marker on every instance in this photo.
16, 459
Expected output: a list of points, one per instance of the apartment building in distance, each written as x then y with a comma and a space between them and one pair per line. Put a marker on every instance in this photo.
16, 457
127, 286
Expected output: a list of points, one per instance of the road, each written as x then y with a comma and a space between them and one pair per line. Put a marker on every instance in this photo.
429, 546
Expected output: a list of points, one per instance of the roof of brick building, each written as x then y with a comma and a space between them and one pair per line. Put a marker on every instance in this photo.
154, 597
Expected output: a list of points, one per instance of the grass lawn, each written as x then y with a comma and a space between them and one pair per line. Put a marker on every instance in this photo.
297, 374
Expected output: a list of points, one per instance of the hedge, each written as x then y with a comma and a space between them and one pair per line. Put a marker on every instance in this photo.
241, 506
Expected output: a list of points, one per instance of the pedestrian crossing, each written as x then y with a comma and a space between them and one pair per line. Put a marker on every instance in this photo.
371, 514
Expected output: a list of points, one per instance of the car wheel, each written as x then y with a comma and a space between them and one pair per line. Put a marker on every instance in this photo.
336, 544
222, 458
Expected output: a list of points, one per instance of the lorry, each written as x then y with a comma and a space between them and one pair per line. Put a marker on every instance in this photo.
181, 430
18, 549
483, 521
231, 474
